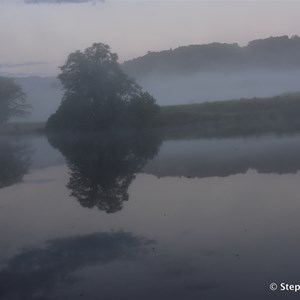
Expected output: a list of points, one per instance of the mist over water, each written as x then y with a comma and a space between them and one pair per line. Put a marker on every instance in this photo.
212, 86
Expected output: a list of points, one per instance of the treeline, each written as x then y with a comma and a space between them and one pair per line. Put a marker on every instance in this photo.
279, 114
274, 52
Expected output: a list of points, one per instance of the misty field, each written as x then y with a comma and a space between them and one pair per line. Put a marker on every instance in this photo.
276, 114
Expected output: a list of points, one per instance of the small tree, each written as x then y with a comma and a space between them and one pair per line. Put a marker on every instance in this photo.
98, 94
12, 100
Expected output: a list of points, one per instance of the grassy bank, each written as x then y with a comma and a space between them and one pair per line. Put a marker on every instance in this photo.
280, 114
234, 117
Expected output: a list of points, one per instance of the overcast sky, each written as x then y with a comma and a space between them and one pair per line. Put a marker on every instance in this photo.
47, 32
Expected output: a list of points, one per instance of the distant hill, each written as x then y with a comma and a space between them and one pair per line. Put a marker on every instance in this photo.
270, 53
200, 73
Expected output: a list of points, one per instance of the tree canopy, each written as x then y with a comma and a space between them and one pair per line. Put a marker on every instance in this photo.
12, 100
99, 95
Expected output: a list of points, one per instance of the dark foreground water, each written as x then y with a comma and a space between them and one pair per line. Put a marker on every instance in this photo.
135, 217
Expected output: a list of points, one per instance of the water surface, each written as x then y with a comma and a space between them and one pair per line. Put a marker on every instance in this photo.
137, 217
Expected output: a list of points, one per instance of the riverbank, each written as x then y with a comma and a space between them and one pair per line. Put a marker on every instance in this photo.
280, 114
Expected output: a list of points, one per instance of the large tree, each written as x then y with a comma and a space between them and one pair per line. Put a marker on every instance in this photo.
99, 95
12, 100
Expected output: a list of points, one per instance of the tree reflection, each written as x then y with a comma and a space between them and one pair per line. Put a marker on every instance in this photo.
14, 161
102, 166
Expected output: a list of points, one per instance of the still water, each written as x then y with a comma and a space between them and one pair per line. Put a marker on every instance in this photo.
133, 216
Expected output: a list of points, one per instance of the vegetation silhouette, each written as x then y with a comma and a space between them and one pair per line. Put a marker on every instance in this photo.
278, 114
13, 101
99, 95
14, 161
280, 52
103, 165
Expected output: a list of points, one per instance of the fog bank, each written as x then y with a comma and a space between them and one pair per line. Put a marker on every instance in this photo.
212, 86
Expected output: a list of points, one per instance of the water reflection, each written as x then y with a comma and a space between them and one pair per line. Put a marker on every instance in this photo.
35, 272
14, 160
102, 166
215, 238
224, 157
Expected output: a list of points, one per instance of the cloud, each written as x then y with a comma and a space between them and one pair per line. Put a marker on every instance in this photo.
25, 64
60, 1
37, 271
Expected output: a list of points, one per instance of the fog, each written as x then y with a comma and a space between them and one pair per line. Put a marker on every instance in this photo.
44, 94
212, 86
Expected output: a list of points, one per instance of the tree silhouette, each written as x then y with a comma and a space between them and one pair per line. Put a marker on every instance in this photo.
99, 95
12, 100
103, 166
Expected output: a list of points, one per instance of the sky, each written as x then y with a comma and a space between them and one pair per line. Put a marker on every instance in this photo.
37, 35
